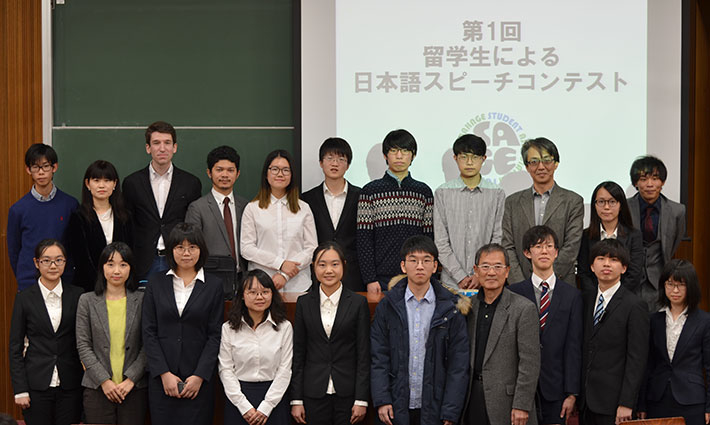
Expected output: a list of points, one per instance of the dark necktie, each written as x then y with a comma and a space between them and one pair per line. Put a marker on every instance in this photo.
230, 227
648, 235
544, 304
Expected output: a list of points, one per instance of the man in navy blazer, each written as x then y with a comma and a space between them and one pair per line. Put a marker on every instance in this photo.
157, 197
560, 309
334, 207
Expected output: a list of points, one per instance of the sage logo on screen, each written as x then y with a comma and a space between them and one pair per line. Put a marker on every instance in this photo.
503, 135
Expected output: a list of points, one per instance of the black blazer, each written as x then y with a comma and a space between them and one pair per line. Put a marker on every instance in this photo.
560, 341
345, 355
685, 372
148, 226
184, 345
344, 234
47, 348
86, 240
632, 240
614, 354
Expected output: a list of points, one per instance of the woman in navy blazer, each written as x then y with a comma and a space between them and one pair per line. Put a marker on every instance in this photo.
182, 322
679, 350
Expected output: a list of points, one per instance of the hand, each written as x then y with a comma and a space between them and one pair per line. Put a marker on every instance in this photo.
259, 418
279, 281
170, 383
445, 422
290, 268
125, 387
475, 284
112, 392
465, 282
644, 415
192, 387
250, 415
385, 412
518, 417
374, 289
568, 406
623, 414
299, 413
24, 403
358, 413
707, 418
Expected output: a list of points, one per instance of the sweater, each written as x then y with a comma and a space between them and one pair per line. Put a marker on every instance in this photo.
28, 223
388, 213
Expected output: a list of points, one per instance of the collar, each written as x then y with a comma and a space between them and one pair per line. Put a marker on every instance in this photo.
334, 297
399, 182
154, 174
429, 296
327, 191
537, 281
643, 204
200, 277
464, 188
220, 198
669, 315
58, 290
481, 295
548, 191
268, 319
275, 200
47, 198
604, 235
608, 294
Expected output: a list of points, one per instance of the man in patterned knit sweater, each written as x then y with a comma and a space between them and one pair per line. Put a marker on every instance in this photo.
390, 210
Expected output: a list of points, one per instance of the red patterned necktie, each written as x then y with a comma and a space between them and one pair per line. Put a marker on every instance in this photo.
544, 304
230, 227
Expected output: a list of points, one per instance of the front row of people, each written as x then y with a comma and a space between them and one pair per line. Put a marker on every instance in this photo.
529, 354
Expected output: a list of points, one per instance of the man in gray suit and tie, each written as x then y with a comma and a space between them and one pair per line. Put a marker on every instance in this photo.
661, 221
545, 203
503, 332
219, 215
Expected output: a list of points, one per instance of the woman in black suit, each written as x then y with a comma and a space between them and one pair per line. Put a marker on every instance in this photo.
679, 350
611, 218
101, 219
331, 347
182, 320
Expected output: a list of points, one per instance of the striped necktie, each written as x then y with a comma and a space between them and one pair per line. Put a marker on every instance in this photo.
544, 304
599, 311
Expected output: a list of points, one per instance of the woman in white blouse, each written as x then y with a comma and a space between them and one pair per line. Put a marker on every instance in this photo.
278, 232
255, 354
100, 220
679, 350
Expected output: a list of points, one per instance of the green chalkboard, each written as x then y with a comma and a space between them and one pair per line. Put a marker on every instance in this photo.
224, 68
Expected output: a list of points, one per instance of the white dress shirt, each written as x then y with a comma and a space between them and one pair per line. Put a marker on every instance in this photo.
335, 203
182, 292
220, 203
604, 235
673, 329
537, 286
256, 355
106, 221
608, 294
161, 188
53, 303
273, 235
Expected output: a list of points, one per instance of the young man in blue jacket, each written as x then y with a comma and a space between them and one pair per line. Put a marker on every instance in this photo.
419, 345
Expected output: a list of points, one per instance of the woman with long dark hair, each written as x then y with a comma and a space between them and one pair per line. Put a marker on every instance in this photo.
610, 218
278, 230
100, 219
255, 354
108, 337
679, 354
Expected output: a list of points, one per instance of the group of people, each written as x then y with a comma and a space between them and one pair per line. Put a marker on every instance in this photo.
133, 281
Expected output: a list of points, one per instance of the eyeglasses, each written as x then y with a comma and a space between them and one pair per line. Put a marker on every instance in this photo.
546, 161
46, 262
395, 151
338, 159
610, 202
276, 170
541, 246
498, 268
192, 249
469, 157
255, 294
415, 262
46, 167
675, 285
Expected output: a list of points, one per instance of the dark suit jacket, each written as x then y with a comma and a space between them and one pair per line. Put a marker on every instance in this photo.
344, 233
560, 341
345, 355
685, 372
93, 338
86, 240
184, 345
206, 214
632, 241
47, 348
614, 354
148, 225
